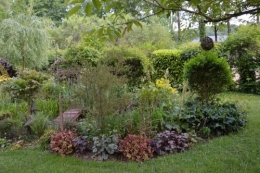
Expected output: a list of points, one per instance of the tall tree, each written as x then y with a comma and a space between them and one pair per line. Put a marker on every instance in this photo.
53, 9
24, 41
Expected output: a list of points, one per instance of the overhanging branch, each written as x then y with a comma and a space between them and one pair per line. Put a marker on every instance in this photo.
200, 13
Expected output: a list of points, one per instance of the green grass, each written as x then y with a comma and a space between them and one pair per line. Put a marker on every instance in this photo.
234, 153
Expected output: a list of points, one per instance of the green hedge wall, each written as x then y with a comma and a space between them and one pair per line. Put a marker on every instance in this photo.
168, 59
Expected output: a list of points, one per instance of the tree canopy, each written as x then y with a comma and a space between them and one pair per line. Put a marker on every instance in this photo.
210, 10
24, 41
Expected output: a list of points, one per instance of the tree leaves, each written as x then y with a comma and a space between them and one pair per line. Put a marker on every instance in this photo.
87, 6
97, 4
74, 10
88, 9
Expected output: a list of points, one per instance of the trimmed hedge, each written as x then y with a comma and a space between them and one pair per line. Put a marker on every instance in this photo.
168, 59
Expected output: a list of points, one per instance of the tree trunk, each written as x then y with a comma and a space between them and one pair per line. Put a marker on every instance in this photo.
228, 27
202, 29
29, 107
23, 56
179, 26
216, 33
257, 17
60, 113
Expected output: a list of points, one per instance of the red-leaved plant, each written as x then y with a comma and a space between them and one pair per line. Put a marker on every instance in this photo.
62, 143
136, 147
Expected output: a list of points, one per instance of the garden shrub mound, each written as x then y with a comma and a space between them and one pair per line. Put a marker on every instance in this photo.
243, 47
75, 58
129, 62
207, 75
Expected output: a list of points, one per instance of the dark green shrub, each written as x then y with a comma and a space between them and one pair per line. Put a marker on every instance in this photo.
243, 47
207, 75
4, 115
5, 127
213, 118
74, 59
170, 60
130, 62
170, 142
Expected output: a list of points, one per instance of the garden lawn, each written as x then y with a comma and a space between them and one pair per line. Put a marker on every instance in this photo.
239, 152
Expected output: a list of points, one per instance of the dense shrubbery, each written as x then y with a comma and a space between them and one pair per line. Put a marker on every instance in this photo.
129, 62
243, 47
130, 89
79, 55
168, 61
207, 75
